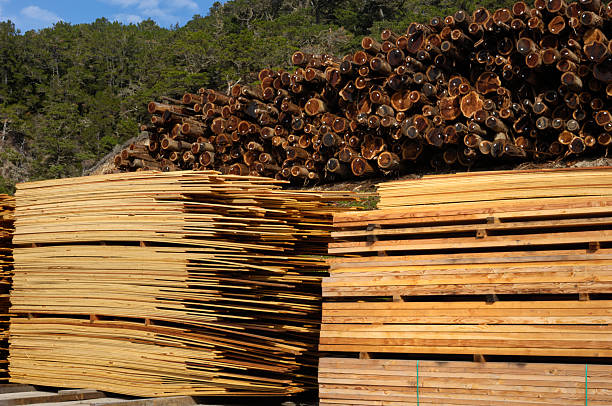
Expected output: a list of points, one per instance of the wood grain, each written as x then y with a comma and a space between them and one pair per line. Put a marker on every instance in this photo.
345, 381
485, 265
519, 232
157, 284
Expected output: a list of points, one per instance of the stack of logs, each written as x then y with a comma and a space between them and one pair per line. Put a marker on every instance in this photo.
520, 84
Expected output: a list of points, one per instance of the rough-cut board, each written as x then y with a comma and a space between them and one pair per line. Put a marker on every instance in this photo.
495, 186
157, 284
506, 264
532, 328
534, 272
522, 232
349, 382
131, 358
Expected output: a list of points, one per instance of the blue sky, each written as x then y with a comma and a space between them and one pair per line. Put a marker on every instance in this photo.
37, 14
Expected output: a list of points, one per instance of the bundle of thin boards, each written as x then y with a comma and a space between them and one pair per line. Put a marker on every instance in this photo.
7, 209
156, 284
502, 266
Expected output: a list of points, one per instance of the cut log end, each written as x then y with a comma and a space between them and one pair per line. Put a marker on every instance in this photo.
361, 167
470, 104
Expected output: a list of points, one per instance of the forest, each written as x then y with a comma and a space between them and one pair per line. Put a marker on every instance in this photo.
70, 93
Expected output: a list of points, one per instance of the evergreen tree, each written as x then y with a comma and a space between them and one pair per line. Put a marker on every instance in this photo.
70, 93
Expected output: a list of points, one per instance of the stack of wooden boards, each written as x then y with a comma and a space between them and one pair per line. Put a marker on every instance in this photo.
178, 283
388, 382
507, 264
7, 209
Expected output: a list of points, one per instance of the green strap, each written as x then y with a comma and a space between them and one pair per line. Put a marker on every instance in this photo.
417, 385
586, 384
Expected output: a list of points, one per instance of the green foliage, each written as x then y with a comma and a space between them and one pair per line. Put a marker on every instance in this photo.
367, 203
7, 186
9, 155
70, 93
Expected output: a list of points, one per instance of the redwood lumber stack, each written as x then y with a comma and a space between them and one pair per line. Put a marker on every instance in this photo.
351, 382
158, 284
7, 209
529, 83
490, 264
479, 233
569, 328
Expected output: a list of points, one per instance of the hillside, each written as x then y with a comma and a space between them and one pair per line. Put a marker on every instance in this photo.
70, 93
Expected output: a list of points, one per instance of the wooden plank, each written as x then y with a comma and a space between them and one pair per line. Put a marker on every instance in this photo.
512, 278
389, 381
504, 210
455, 228
470, 258
551, 327
496, 186
523, 240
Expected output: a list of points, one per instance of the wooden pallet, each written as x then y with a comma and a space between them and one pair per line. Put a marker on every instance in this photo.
157, 284
347, 382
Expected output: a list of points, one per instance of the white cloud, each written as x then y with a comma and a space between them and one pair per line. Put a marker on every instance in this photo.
153, 4
128, 18
185, 4
123, 3
163, 15
40, 14
148, 4
161, 10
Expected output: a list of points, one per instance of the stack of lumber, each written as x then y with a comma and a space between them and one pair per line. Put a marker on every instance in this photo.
479, 233
394, 382
527, 327
510, 264
530, 82
7, 209
156, 284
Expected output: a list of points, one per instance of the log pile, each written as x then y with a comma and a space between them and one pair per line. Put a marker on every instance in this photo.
7, 209
527, 83
157, 284
489, 264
